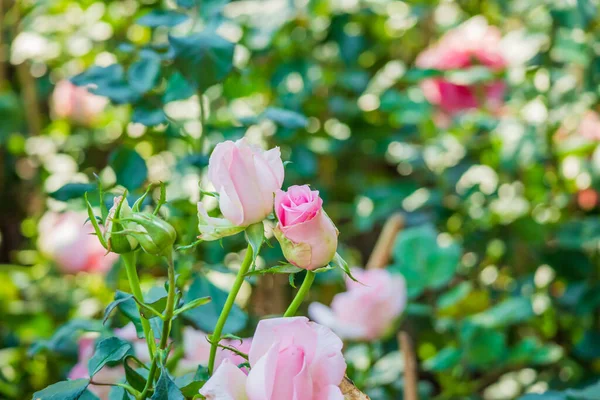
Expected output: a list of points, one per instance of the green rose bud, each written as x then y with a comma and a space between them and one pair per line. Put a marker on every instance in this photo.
155, 235
115, 240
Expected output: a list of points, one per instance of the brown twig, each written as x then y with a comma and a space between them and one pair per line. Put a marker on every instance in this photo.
411, 377
382, 252
350, 391
380, 258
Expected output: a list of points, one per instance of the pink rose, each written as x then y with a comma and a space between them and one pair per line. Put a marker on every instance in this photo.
246, 177
197, 350
291, 358
76, 103
307, 236
68, 240
472, 43
367, 310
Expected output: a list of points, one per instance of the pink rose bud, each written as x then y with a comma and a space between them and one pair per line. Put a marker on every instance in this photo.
367, 310
472, 43
76, 103
307, 235
69, 241
245, 177
290, 358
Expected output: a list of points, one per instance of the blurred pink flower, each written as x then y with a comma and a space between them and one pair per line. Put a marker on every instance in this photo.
76, 103
589, 127
69, 241
367, 310
197, 350
307, 235
291, 358
470, 44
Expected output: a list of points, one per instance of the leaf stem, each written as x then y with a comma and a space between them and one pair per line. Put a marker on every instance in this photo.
295, 304
134, 284
168, 316
239, 279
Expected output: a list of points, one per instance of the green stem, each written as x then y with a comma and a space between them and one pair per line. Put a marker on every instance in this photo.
239, 279
308, 281
134, 284
164, 338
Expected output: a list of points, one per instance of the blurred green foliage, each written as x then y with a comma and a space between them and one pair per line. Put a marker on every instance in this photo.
501, 250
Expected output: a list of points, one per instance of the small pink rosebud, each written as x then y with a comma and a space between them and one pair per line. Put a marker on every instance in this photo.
305, 232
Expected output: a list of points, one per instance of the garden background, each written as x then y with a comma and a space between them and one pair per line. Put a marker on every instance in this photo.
476, 120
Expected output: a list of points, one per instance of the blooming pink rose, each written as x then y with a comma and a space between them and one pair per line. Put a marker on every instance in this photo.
291, 358
197, 350
472, 43
246, 177
68, 240
367, 310
76, 103
307, 236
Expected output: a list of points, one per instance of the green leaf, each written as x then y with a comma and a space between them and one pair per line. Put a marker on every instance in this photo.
193, 304
94, 222
205, 318
424, 262
129, 167
143, 74
157, 18
135, 378
72, 191
482, 346
511, 311
109, 82
416, 75
115, 303
129, 308
108, 350
204, 58
165, 388
65, 390
445, 359
286, 118
66, 336
178, 88
191, 383
454, 295
339, 262
148, 115
255, 235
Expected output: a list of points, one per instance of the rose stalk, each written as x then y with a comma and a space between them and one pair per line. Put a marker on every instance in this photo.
307, 236
245, 178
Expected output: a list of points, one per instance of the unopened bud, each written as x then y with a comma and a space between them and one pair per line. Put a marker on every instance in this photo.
115, 240
155, 235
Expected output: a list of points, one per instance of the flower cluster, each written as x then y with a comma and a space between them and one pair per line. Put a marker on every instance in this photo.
248, 183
